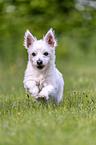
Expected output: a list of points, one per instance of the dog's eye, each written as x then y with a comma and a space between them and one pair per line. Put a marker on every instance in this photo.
33, 54
45, 53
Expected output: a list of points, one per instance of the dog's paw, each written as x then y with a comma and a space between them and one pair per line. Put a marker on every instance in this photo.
34, 91
43, 95
40, 97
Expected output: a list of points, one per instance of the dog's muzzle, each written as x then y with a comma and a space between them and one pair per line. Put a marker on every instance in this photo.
40, 64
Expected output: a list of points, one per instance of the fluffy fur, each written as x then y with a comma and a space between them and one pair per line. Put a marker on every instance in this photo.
42, 79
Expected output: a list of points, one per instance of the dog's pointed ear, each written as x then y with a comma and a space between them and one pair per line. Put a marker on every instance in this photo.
50, 39
29, 39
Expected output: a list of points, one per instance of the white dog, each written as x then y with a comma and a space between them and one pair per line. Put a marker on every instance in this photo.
42, 79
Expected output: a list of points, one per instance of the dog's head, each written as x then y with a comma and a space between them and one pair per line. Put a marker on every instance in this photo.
41, 52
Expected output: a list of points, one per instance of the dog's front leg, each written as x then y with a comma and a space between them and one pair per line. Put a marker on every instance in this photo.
46, 92
32, 88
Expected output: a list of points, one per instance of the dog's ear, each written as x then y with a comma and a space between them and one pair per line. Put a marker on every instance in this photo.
49, 38
29, 39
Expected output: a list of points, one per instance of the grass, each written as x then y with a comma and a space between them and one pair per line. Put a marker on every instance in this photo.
25, 121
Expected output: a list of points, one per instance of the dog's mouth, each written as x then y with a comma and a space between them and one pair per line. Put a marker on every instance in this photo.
40, 66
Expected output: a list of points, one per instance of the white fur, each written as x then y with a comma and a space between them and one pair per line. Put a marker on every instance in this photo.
48, 81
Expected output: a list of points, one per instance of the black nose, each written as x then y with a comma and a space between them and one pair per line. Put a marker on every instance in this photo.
39, 62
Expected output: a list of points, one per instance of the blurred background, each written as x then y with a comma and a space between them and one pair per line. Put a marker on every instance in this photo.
74, 22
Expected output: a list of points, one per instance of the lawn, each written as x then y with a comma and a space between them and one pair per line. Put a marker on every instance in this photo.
24, 121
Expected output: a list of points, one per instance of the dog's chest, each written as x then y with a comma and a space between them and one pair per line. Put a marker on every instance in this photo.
41, 81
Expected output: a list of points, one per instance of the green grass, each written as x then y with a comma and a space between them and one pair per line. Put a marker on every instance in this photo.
26, 122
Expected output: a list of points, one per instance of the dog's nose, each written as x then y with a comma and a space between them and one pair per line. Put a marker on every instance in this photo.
39, 62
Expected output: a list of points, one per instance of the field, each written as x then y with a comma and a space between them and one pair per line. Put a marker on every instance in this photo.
25, 121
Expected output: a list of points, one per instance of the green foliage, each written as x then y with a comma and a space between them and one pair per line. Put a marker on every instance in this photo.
74, 30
